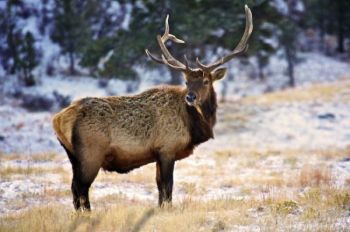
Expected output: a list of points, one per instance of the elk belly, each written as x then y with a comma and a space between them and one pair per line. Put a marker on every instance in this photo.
123, 161
183, 154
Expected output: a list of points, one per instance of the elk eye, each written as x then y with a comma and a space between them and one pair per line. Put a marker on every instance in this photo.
206, 81
186, 83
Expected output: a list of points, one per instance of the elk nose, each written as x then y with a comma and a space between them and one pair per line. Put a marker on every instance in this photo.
191, 97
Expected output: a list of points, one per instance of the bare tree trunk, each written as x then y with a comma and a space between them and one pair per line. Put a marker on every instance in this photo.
225, 84
71, 63
261, 70
290, 61
340, 38
340, 28
175, 77
322, 34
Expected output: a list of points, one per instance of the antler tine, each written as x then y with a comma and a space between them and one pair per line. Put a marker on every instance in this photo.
153, 57
166, 29
165, 61
167, 58
162, 40
167, 54
167, 35
240, 48
187, 63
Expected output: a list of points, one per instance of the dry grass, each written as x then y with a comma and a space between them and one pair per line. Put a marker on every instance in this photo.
141, 175
124, 217
320, 92
254, 180
190, 215
189, 188
44, 156
254, 153
271, 189
222, 156
131, 216
57, 193
47, 156
4, 156
315, 176
8, 171
271, 200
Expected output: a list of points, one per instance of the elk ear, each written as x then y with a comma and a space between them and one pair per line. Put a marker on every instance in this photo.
219, 73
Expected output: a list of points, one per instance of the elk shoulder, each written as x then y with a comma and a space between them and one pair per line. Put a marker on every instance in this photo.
154, 120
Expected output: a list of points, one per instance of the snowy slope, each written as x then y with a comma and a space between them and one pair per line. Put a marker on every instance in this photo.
312, 68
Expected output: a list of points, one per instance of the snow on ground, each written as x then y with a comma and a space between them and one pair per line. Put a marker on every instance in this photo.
77, 87
312, 68
23, 132
310, 127
307, 126
26, 132
299, 126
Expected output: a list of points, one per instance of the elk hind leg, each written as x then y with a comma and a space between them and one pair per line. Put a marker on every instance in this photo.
75, 187
85, 171
164, 179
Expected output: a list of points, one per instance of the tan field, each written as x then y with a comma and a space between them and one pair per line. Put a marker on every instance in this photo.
279, 162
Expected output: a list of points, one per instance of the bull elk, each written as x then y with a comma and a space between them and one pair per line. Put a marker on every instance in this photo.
162, 125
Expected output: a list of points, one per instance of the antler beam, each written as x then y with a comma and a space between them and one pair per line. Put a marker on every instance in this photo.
240, 48
168, 59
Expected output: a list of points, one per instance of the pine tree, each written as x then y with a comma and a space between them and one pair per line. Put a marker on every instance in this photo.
11, 36
264, 17
339, 21
329, 17
317, 17
288, 39
70, 30
104, 24
45, 16
29, 59
206, 25
18, 53
288, 43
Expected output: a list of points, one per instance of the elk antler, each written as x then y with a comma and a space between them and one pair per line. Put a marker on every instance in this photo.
241, 47
166, 57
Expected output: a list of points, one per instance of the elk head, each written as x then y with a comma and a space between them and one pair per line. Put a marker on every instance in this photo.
199, 81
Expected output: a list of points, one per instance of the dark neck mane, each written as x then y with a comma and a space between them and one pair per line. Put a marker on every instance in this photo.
201, 129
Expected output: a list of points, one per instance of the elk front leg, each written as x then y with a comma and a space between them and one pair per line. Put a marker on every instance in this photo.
164, 178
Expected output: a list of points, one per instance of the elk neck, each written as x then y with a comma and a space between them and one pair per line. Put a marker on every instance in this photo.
201, 126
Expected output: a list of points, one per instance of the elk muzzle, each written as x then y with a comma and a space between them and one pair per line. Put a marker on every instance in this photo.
191, 98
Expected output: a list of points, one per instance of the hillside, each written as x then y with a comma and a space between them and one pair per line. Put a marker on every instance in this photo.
279, 162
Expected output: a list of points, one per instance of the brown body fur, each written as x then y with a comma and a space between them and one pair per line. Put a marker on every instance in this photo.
123, 133
128, 132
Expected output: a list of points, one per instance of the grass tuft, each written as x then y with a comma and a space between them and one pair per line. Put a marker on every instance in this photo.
286, 207
315, 176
